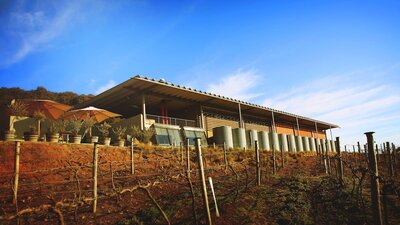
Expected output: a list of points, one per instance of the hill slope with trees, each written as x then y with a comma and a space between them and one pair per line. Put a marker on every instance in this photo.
69, 98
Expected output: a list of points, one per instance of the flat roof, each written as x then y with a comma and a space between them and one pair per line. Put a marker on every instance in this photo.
124, 99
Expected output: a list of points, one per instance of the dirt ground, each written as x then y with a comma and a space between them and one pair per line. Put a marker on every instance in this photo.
56, 186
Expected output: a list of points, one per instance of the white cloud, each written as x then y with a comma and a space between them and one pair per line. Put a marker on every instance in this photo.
238, 85
33, 29
110, 84
357, 102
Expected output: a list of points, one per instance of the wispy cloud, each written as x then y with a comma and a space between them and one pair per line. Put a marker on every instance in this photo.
237, 85
110, 84
32, 28
357, 102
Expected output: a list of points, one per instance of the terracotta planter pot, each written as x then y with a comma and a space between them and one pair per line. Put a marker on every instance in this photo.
121, 142
94, 139
31, 137
76, 139
9, 135
106, 141
53, 138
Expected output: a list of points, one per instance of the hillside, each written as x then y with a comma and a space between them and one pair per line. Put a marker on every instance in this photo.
69, 98
56, 186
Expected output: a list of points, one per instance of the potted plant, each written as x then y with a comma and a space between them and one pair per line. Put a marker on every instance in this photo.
53, 133
120, 133
17, 110
32, 134
142, 136
136, 133
76, 125
39, 117
104, 129
88, 124
147, 135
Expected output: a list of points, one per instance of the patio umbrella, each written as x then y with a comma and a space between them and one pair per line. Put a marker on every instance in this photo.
50, 109
97, 114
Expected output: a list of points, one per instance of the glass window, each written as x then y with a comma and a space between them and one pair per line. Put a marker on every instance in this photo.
162, 136
174, 137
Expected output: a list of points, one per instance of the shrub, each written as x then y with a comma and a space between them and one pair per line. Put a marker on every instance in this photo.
104, 129
75, 125
119, 132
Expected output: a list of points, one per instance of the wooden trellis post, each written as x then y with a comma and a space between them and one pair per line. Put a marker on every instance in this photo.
16, 171
389, 156
373, 167
340, 162
203, 181
132, 160
95, 165
225, 156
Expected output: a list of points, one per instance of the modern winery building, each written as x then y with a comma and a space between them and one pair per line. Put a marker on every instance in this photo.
177, 112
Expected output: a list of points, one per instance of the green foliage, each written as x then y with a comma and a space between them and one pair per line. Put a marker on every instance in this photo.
88, 123
55, 126
136, 132
131, 221
119, 132
142, 136
75, 125
290, 201
341, 206
104, 129
33, 129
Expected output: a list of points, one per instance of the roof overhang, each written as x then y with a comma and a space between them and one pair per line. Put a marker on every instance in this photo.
127, 97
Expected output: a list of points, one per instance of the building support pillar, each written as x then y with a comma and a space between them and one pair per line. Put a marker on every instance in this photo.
298, 126
240, 117
273, 123
202, 122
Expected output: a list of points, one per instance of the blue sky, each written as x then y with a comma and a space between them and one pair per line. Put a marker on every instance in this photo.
338, 61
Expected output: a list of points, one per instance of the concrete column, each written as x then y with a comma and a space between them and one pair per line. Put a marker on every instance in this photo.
144, 112
312, 144
333, 144
306, 144
275, 141
328, 146
283, 142
239, 138
251, 137
299, 144
292, 143
263, 139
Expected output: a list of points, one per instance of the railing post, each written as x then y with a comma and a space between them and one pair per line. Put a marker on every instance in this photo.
203, 181
258, 169
16, 170
95, 156
376, 202
340, 162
